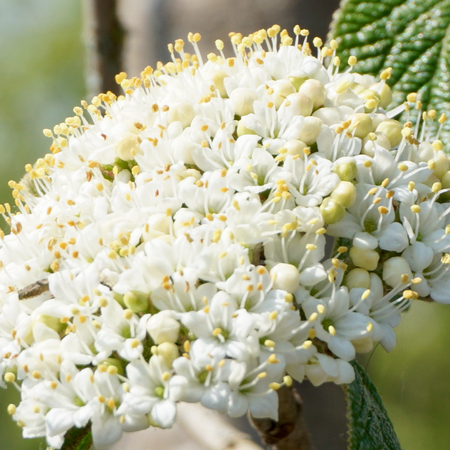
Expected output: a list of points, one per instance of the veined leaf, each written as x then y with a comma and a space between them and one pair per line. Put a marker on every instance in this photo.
78, 439
411, 36
369, 425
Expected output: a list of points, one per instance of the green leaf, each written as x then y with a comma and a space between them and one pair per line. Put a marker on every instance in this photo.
411, 36
78, 439
369, 425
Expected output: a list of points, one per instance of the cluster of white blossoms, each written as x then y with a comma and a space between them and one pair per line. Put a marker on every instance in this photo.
222, 228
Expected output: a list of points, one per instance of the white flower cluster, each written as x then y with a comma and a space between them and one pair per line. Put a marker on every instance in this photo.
173, 247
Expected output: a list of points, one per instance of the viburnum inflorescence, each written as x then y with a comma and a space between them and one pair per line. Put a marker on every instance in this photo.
172, 246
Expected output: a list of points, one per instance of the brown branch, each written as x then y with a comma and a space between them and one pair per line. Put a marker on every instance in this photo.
290, 432
33, 290
104, 44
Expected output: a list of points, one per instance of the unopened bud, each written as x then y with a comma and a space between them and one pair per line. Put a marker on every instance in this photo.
346, 171
136, 301
285, 276
243, 99
163, 328
366, 259
358, 278
332, 210
345, 193
394, 269
169, 352
393, 130
315, 91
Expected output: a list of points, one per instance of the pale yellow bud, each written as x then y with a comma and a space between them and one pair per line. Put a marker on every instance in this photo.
315, 91
366, 259
332, 210
358, 278
393, 130
345, 193
243, 99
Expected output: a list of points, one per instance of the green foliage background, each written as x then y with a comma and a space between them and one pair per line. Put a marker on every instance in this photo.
41, 80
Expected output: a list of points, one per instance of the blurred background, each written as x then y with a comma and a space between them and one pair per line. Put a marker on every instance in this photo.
42, 77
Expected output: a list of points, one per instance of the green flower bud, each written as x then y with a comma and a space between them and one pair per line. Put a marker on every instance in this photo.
393, 130
169, 352
136, 301
363, 124
345, 193
442, 164
332, 210
346, 171
315, 91
282, 89
358, 278
128, 147
243, 99
295, 147
310, 130
366, 259
299, 104
385, 94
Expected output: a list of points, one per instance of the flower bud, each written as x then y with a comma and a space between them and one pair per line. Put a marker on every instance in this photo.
363, 124
378, 118
385, 94
346, 171
136, 301
345, 193
366, 259
163, 328
282, 89
285, 277
181, 111
243, 99
365, 241
52, 322
310, 130
442, 164
329, 116
295, 147
357, 278
300, 104
425, 151
128, 147
445, 181
393, 130
296, 82
393, 269
315, 91
217, 78
169, 352
332, 210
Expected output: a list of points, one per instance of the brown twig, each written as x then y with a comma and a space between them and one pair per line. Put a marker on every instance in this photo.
104, 43
290, 432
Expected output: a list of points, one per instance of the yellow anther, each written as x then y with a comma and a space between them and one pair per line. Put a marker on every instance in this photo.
366, 294
311, 247
416, 209
369, 327
383, 210
217, 331
272, 359
313, 317
269, 343
332, 330
307, 344
274, 386
352, 60
262, 375
320, 309
402, 167
273, 315
311, 334
342, 249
